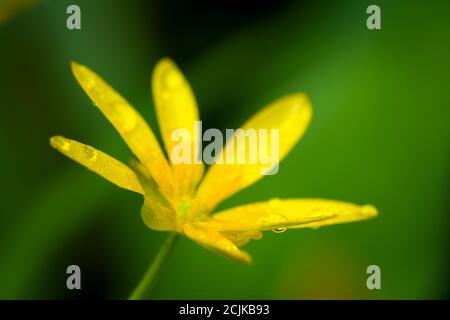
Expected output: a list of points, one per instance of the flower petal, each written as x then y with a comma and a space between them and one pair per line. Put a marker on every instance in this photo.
130, 125
290, 115
279, 214
213, 240
156, 212
241, 238
99, 162
176, 108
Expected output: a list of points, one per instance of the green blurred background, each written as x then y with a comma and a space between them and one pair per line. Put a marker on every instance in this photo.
380, 135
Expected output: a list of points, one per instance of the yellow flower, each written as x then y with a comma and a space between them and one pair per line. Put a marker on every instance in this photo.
178, 197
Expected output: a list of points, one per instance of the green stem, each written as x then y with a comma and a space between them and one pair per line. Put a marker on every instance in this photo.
147, 282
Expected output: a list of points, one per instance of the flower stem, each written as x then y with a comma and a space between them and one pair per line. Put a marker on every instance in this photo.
147, 282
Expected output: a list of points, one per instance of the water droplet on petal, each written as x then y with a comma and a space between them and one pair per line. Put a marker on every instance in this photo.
275, 204
272, 221
279, 230
126, 116
89, 82
171, 80
90, 153
369, 210
60, 143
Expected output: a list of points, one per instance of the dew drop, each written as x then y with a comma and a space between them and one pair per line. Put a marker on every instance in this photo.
369, 210
90, 153
60, 143
89, 82
171, 80
271, 220
125, 116
275, 204
279, 230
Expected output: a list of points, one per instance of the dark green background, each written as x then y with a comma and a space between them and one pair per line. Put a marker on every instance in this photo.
380, 135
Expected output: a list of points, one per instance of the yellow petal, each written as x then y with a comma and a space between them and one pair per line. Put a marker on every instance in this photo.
130, 125
279, 215
99, 162
241, 238
290, 115
213, 240
157, 212
176, 108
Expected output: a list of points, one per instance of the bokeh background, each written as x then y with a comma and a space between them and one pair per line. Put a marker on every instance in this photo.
380, 135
